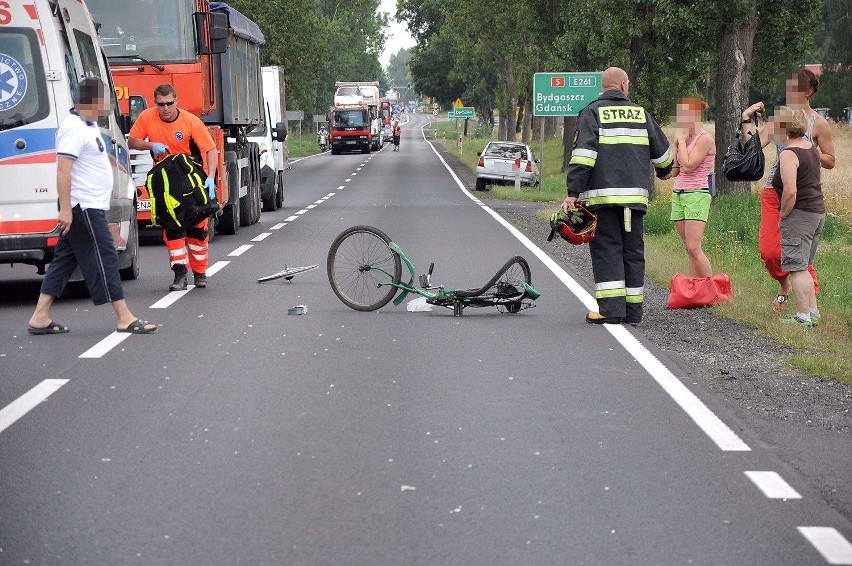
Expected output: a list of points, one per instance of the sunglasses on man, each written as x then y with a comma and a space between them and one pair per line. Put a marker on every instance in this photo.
163, 104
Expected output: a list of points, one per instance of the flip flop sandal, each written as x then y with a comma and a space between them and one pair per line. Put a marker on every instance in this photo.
51, 328
138, 327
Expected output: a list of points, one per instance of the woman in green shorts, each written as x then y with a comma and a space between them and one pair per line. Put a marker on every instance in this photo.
695, 152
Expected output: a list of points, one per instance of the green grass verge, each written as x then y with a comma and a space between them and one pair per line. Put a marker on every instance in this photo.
300, 148
731, 244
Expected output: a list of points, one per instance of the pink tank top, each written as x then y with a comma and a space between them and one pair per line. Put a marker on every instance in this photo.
697, 179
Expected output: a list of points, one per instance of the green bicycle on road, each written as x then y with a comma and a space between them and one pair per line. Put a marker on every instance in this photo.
365, 271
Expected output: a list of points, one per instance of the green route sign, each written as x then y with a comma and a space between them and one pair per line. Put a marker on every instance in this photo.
451, 114
465, 112
564, 94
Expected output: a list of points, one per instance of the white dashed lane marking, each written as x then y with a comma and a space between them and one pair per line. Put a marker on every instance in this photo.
304, 210
773, 485
290, 218
240, 250
261, 237
28, 401
310, 206
278, 226
108, 343
830, 543
171, 298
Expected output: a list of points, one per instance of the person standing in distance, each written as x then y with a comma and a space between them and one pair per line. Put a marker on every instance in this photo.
608, 171
84, 185
397, 133
168, 129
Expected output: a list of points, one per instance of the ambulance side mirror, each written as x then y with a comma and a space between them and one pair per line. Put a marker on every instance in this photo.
124, 123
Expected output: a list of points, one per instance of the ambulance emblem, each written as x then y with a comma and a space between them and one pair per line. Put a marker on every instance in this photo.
13, 82
179, 136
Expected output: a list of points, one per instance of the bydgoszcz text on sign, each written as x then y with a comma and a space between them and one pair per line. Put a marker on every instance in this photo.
564, 94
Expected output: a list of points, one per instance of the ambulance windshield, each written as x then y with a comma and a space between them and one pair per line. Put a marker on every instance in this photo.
153, 30
23, 90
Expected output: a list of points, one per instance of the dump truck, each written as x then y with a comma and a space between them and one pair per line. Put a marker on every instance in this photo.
210, 53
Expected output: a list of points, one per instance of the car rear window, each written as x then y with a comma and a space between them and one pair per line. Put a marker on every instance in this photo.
505, 150
23, 96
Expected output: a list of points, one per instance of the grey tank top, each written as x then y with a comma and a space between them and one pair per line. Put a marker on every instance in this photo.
779, 147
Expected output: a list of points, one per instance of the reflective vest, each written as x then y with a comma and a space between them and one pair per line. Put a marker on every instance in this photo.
615, 142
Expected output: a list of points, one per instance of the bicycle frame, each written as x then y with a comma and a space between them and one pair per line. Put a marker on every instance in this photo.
443, 297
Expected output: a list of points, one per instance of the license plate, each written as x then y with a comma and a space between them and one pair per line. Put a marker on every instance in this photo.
351, 142
143, 205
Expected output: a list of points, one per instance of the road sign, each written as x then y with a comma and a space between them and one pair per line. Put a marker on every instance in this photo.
435, 112
451, 114
564, 94
293, 115
465, 112
458, 103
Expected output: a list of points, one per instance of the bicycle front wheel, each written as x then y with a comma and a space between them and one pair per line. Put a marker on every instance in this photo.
506, 291
362, 269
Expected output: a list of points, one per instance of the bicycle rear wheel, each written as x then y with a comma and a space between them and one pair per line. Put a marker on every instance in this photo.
506, 291
359, 261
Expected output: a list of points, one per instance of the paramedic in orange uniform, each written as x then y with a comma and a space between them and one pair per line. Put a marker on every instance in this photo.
168, 129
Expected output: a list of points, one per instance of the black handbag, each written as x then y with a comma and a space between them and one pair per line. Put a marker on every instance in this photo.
744, 161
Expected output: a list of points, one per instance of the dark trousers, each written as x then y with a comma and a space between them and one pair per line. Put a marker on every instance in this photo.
618, 263
88, 244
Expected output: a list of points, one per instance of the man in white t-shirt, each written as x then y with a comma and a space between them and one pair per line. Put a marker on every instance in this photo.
84, 185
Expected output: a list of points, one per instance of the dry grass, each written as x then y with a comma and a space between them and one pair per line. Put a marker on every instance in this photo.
836, 183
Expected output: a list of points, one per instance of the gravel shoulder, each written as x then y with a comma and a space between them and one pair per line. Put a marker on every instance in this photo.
807, 422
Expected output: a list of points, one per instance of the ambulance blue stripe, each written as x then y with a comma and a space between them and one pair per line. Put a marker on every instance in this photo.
38, 140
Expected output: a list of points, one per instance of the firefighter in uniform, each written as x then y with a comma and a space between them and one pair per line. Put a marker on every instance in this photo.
169, 129
609, 172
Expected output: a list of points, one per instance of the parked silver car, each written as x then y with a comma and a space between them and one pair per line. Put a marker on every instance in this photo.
496, 163
387, 134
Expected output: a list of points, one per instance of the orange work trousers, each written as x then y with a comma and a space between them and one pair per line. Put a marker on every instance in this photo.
188, 246
769, 237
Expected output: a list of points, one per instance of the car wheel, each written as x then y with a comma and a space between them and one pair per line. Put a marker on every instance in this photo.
480, 184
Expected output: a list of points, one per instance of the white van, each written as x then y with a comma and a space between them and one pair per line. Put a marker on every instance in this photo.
270, 136
46, 47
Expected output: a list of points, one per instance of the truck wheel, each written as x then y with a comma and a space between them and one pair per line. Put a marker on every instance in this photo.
279, 192
365, 149
229, 222
131, 271
334, 150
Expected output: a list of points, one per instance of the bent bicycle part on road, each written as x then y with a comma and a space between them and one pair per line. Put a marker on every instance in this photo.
365, 271
287, 274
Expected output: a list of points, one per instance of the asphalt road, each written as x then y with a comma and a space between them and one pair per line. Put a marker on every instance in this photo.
239, 434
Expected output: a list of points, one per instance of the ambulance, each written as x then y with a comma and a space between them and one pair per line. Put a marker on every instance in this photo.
46, 47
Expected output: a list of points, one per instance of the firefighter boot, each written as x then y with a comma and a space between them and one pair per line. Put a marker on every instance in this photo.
200, 279
179, 283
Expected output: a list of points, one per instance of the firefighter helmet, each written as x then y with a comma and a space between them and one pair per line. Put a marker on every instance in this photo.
576, 226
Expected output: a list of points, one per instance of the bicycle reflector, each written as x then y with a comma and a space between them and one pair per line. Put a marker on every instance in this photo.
577, 226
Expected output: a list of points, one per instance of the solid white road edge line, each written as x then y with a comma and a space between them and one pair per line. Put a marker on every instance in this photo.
830, 543
719, 432
28, 401
773, 485
240, 250
261, 237
101, 348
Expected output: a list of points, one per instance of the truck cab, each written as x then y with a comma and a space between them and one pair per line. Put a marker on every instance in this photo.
46, 48
271, 135
350, 128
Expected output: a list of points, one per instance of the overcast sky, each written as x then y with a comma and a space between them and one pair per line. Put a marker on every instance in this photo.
398, 36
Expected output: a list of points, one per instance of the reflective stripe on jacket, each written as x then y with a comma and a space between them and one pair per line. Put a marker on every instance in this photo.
616, 140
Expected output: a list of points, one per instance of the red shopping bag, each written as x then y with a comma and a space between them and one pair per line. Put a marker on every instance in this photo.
687, 292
